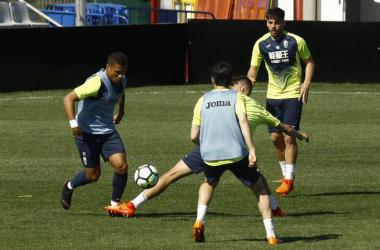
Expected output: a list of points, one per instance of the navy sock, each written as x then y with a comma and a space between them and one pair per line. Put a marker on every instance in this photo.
119, 183
80, 179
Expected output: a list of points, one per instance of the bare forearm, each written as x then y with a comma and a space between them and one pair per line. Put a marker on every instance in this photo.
69, 105
194, 135
252, 72
287, 129
309, 70
246, 131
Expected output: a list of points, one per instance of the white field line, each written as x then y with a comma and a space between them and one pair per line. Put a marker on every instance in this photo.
188, 92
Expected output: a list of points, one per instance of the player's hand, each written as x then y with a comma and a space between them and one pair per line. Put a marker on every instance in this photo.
252, 159
304, 92
117, 118
253, 80
304, 137
77, 131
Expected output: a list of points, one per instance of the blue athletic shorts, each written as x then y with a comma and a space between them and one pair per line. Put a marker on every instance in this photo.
247, 175
91, 146
288, 111
194, 161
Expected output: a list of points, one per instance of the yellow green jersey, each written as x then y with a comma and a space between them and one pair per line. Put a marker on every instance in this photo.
282, 60
258, 115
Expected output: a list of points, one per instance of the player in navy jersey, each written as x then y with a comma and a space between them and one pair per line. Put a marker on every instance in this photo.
94, 127
282, 52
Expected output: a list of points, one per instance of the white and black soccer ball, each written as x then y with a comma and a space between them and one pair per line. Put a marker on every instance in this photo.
146, 176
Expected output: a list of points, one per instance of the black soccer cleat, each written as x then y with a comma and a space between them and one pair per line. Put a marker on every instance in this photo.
66, 196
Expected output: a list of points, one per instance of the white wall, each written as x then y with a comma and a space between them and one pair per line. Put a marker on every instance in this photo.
310, 10
331, 10
287, 6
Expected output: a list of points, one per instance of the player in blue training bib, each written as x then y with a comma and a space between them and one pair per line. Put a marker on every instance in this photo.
94, 128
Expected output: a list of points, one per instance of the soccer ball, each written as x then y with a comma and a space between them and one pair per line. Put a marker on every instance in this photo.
146, 176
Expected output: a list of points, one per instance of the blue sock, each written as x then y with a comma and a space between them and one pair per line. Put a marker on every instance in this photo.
119, 183
80, 179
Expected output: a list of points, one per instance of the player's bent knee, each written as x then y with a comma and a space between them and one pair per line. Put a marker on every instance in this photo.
122, 169
290, 140
259, 189
93, 177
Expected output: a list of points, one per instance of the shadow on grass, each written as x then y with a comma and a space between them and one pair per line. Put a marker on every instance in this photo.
170, 216
336, 193
312, 214
295, 239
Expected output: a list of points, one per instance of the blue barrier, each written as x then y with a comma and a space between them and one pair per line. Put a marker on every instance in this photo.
114, 14
66, 18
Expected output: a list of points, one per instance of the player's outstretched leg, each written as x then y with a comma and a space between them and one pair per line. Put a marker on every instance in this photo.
127, 209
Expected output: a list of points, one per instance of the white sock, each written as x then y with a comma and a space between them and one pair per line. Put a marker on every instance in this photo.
140, 199
269, 227
290, 171
201, 213
114, 203
69, 186
283, 167
273, 203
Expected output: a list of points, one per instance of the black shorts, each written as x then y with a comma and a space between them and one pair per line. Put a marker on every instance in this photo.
247, 175
194, 161
91, 146
288, 111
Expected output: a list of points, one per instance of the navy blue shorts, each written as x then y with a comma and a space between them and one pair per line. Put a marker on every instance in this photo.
194, 161
91, 146
288, 111
247, 175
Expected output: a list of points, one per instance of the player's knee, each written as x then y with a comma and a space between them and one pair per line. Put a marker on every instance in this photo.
276, 137
290, 140
93, 177
122, 168
259, 188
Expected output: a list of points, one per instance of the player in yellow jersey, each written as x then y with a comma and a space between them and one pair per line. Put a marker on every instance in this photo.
256, 115
221, 128
93, 127
192, 163
282, 52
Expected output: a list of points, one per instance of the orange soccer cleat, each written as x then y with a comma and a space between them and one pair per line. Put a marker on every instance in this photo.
123, 210
198, 231
286, 187
274, 241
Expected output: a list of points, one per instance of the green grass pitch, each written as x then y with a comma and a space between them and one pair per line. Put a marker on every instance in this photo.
335, 204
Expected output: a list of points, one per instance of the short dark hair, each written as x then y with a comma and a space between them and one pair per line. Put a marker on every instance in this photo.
245, 82
222, 73
118, 58
275, 13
